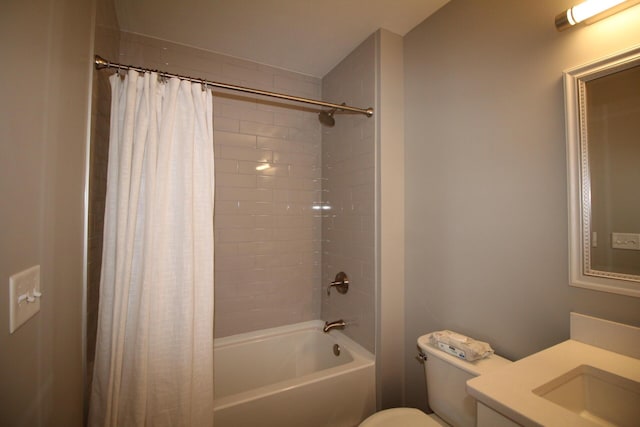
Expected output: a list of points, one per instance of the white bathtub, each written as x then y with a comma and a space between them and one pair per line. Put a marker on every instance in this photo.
289, 376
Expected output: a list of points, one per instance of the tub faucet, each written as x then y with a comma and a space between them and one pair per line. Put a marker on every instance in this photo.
340, 324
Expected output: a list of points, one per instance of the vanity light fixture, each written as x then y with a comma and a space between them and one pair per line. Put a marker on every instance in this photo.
590, 11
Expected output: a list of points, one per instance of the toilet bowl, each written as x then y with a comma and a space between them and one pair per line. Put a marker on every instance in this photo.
446, 377
405, 417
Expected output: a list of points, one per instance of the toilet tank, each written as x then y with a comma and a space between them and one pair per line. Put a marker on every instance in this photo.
447, 377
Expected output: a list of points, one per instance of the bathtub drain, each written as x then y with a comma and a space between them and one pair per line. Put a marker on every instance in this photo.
336, 349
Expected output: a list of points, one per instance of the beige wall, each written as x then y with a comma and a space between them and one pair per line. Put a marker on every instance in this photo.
486, 202
348, 187
46, 49
267, 234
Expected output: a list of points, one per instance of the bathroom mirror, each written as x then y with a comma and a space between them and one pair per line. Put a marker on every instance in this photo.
602, 101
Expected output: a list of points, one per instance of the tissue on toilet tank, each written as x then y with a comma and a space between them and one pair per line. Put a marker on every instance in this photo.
460, 345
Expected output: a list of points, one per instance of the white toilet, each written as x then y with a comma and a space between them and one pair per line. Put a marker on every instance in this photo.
447, 376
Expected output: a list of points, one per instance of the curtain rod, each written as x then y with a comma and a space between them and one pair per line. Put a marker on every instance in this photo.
102, 63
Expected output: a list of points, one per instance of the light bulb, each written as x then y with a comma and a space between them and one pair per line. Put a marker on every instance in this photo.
591, 11
591, 8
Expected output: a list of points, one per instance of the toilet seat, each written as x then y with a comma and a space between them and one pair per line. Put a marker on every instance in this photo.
405, 417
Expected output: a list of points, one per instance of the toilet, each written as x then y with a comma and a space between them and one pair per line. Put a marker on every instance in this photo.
447, 377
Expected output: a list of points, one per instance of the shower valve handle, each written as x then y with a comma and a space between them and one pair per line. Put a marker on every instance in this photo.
341, 283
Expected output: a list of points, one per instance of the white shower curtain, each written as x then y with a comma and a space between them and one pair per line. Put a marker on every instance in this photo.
154, 353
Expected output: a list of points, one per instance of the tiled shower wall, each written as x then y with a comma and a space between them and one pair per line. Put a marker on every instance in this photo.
348, 163
267, 234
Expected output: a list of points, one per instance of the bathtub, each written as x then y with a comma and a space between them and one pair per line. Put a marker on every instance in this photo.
289, 376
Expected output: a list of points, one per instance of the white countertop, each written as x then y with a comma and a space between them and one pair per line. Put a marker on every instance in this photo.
509, 389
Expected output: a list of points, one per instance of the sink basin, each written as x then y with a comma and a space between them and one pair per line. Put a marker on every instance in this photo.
596, 395
593, 380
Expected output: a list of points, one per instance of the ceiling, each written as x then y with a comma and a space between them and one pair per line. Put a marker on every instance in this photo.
305, 36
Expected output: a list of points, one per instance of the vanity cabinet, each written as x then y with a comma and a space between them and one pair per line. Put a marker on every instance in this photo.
487, 417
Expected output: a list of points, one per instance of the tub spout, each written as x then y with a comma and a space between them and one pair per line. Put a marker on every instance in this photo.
340, 324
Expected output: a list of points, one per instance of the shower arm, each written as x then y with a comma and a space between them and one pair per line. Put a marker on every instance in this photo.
102, 63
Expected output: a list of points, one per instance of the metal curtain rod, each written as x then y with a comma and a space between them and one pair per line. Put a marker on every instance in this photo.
102, 63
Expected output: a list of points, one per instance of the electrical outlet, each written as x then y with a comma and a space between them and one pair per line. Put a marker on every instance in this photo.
625, 241
24, 297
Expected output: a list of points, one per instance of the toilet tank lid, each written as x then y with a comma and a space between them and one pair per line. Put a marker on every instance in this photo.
478, 367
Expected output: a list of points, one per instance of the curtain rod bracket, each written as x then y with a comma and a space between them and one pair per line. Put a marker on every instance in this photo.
101, 63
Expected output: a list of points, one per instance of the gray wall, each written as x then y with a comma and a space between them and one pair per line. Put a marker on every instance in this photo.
46, 47
389, 116
348, 186
486, 203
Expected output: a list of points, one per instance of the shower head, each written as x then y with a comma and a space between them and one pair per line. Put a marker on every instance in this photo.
326, 116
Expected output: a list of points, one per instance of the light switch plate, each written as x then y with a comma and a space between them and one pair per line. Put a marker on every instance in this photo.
23, 302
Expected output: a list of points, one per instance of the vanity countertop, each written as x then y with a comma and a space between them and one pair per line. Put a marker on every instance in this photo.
509, 390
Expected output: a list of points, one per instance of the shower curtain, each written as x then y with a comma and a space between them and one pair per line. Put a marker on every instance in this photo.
154, 352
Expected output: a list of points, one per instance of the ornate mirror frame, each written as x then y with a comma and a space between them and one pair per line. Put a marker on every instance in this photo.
579, 180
